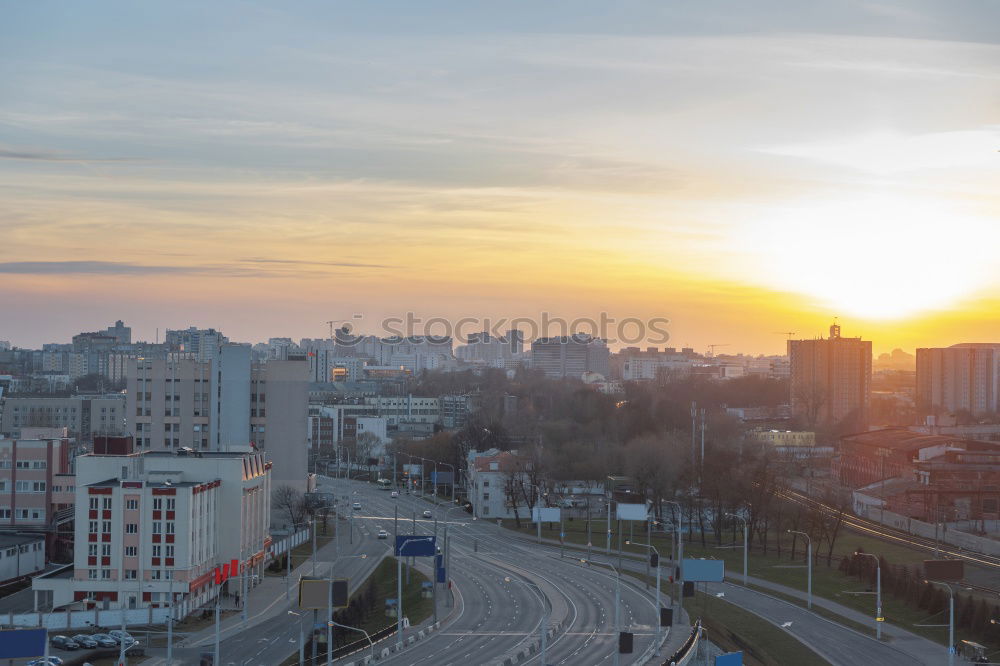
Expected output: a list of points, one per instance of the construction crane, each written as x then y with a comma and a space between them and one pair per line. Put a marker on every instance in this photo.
711, 348
332, 322
788, 333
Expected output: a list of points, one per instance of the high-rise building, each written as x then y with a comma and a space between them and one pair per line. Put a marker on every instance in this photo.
226, 403
570, 356
831, 379
961, 377
202, 344
120, 332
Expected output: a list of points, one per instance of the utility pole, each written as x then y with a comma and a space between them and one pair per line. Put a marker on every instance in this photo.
694, 432
809, 568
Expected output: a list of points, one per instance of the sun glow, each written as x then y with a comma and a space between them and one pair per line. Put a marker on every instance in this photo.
878, 257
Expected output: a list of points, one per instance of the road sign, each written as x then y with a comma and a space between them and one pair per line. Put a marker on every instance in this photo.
946, 570
631, 511
701, 571
544, 514
22, 643
410, 545
314, 593
729, 659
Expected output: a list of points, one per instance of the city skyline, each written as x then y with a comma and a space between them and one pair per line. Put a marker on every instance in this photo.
737, 172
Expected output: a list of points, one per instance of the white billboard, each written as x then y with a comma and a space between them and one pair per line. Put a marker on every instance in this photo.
545, 514
632, 511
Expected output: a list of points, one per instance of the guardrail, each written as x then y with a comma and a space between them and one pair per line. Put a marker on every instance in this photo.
362, 644
684, 654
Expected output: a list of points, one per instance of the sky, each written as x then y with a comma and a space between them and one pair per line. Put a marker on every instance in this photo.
741, 169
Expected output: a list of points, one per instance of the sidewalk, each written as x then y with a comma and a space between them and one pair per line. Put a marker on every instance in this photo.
268, 599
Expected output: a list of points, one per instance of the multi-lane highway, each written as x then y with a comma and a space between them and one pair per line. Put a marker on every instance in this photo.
494, 617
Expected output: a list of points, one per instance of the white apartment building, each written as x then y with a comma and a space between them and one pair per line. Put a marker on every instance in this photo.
407, 409
488, 472
156, 524
961, 377
83, 416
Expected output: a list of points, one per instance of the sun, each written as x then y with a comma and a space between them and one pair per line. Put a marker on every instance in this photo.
875, 257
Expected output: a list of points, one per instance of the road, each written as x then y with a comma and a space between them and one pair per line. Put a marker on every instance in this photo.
496, 617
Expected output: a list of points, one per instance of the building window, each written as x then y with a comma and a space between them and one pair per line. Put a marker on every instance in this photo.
156, 527
106, 504
131, 528
106, 526
156, 551
157, 503
92, 574
170, 527
106, 549
105, 574
92, 550
130, 574
171, 504
93, 527
130, 551
131, 504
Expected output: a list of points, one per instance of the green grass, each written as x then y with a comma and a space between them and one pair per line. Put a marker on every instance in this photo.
416, 607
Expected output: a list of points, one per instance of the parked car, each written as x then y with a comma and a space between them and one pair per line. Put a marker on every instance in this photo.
356, 506
64, 643
46, 661
85, 641
382, 534
104, 641
122, 637
428, 514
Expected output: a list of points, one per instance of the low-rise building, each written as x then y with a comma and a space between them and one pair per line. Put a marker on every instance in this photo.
159, 524
772, 438
21, 555
28, 470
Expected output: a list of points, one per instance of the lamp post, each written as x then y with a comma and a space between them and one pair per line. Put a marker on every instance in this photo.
878, 593
302, 639
651, 547
618, 604
452, 479
746, 542
447, 552
331, 624
329, 606
538, 522
543, 629
951, 619
679, 562
399, 584
809, 568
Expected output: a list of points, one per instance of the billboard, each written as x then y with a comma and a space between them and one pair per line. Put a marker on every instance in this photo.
412, 470
410, 545
22, 643
944, 570
632, 511
729, 659
545, 514
704, 571
314, 593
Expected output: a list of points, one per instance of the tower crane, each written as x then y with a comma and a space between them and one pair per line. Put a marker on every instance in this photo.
787, 333
711, 348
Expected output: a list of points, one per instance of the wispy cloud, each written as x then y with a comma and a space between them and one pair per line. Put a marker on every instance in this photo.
49, 156
124, 268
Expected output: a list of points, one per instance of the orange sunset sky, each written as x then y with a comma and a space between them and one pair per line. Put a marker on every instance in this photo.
263, 168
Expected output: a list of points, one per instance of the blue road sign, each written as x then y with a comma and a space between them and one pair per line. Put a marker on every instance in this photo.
730, 659
442, 577
410, 545
712, 571
22, 643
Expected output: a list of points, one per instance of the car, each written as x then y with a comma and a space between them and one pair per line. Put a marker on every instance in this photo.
85, 641
394, 493
46, 661
382, 534
104, 641
428, 514
64, 643
122, 637
356, 506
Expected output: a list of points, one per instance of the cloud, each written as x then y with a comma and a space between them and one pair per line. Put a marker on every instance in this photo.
298, 262
123, 268
45, 156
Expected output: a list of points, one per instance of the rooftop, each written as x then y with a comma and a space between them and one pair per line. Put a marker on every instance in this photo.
901, 439
7, 540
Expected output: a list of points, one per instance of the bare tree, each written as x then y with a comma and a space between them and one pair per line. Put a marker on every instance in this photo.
291, 502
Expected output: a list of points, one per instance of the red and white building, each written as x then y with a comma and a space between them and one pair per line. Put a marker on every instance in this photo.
156, 524
31, 485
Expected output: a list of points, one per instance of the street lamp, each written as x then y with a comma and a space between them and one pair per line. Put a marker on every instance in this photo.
679, 561
302, 640
618, 603
809, 567
330, 624
878, 593
452, 479
746, 541
329, 605
651, 547
539, 501
447, 551
543, 629
951, 619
